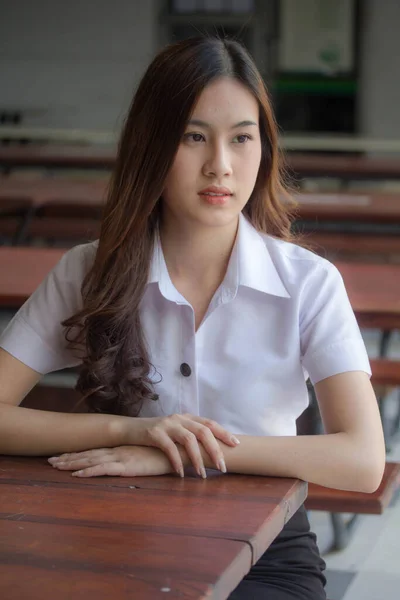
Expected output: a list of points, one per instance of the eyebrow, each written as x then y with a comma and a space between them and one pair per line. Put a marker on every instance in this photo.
205, 125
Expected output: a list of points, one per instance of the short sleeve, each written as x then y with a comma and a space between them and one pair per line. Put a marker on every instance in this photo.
35, 335
331, 341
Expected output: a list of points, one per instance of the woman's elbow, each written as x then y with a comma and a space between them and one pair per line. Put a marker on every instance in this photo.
368, 459
368, 477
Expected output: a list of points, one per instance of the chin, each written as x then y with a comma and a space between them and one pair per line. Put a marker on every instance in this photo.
218, 215
218, 218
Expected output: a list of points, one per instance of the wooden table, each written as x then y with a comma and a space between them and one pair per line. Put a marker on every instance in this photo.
344, 167
57, 156
354, 247
374, 292
22, 270
350, 226
143, 538
54, 207
55, 190
349, 207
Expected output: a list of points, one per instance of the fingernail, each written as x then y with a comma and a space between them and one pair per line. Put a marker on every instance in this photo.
180, 472
77, 473
52, 459
222, 465
235, 440
203, 473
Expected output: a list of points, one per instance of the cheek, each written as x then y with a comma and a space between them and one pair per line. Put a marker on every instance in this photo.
173, 179
180, 170
250, 166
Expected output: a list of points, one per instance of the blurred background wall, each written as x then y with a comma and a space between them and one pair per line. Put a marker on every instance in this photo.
379, 92
74, 64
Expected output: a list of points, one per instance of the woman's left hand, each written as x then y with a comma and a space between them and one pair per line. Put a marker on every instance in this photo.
123, 461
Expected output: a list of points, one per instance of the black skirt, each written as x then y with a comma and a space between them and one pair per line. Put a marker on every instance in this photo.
291, 568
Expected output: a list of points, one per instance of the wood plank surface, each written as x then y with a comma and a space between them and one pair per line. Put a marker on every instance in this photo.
194, 538
343, 166
327, 499
265, 503
58, 156
22, 270
115, 562
355, 207
374, 293
385, 371
55, 190
352, 244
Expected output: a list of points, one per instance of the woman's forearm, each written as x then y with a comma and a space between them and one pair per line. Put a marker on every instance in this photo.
31, 432
332, 460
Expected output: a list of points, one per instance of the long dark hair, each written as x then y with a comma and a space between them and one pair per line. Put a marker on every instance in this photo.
115, 374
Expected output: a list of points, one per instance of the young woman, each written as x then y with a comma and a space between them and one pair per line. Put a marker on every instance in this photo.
197, 314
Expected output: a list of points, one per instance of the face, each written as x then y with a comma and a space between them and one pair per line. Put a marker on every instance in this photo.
217, 162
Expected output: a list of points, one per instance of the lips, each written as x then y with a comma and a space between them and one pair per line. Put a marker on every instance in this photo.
216, 191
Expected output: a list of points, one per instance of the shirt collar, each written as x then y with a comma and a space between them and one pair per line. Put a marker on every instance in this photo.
250, 265
159, 274
255, 265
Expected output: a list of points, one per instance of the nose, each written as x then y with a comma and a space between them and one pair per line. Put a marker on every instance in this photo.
218, 162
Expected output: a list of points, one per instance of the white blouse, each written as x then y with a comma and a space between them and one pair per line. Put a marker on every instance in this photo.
281, 315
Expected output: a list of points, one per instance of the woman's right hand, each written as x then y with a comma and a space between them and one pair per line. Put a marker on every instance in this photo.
188, 431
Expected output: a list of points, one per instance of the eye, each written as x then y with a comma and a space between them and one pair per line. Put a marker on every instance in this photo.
242, 139
194, 137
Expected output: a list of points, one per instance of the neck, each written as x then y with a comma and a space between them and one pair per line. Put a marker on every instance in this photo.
199, 254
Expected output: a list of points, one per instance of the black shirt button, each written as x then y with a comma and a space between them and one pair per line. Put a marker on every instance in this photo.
185, 370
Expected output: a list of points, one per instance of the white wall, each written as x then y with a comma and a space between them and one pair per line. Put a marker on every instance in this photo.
379, 96
74, 63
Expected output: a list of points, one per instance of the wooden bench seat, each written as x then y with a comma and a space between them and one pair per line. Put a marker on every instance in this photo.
22, 221
385, 372
337, 502
351, 246
14, 206
14, 214
59, 229
385, 377
69, 231
341, 501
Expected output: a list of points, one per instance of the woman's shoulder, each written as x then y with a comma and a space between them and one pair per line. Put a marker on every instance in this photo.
78, 260
297, 264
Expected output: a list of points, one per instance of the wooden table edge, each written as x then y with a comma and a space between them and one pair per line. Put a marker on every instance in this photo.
271, 528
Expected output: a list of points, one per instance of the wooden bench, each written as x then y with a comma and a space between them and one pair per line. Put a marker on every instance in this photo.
345, 212
385, 372
337, 502
58, 156
354, 246
385, 376
344, 167
342, 501
14, 215
69, 231
61, 210
26, 268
